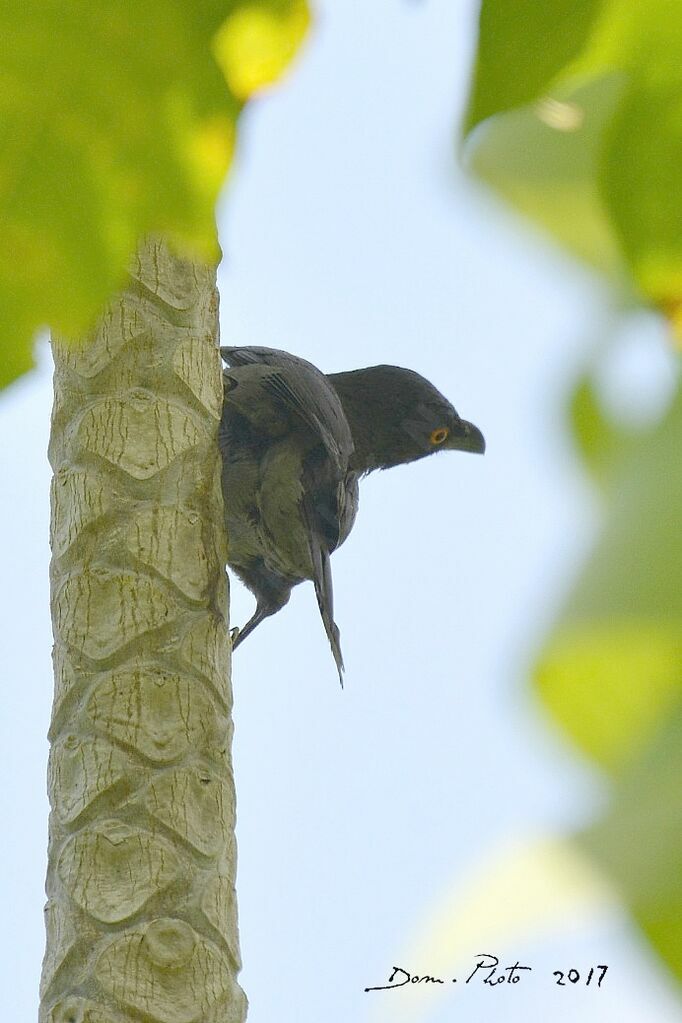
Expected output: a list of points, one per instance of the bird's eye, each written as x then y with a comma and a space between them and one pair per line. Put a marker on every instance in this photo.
439, 435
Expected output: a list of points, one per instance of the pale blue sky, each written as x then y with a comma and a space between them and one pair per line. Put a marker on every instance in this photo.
351, 238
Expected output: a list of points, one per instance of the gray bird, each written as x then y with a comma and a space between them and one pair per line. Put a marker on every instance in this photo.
294, 443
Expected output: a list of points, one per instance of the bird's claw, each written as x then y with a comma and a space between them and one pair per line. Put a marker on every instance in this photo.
234, 633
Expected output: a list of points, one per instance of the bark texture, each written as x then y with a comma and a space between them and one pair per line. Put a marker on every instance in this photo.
141, 913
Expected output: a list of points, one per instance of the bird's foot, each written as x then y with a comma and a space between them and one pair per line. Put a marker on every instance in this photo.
234, 633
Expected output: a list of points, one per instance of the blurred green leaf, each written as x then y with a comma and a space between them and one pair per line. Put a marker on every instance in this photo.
257, 41
543, 159
584, 136
639, 841
115, 121
603, 445
641, 185
535, 39
592, 431
613, 668
610, 683
609, 189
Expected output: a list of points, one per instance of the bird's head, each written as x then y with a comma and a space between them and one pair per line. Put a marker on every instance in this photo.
397, 416
427, 423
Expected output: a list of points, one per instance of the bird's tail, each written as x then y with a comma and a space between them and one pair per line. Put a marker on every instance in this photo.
322, 580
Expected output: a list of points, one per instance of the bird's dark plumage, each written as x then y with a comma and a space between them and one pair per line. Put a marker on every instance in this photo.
294, 443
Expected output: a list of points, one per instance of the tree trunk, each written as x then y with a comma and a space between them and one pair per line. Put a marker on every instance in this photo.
141, 912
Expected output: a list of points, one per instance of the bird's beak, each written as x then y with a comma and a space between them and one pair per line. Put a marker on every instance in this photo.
466, 437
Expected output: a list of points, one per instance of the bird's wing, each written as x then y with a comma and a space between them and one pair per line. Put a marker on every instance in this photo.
304, 390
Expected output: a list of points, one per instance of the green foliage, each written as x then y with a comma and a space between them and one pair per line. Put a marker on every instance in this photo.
549, 173
596, 123
537, 40
639, 841
612, 671
587, 142
602, 444
116, 120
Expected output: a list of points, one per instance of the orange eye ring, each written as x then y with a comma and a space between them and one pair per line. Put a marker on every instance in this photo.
439, 435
